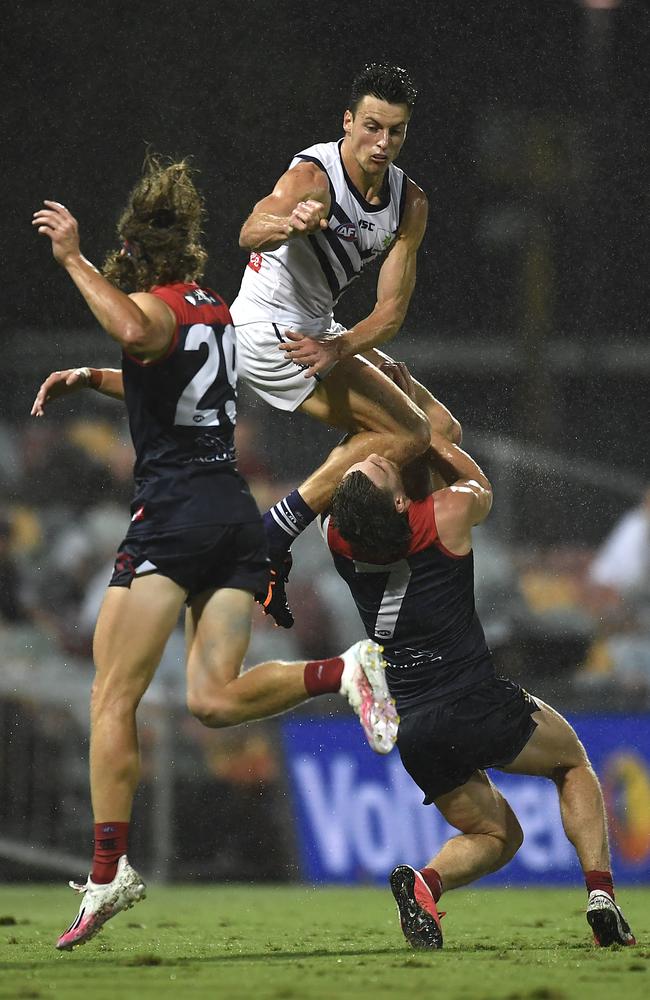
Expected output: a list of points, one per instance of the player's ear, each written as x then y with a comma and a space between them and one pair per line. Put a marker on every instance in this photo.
347, 121
402, 503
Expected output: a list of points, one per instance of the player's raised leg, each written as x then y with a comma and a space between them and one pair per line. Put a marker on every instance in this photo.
218, 630
133, 627
361, 400
554, 751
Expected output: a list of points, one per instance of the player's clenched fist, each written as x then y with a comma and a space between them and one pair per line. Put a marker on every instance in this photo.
56, 222
307, 217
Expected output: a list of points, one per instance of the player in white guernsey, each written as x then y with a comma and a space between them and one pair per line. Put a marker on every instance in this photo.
338, 207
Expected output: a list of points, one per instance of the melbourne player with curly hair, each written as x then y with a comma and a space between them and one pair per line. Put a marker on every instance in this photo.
196, 537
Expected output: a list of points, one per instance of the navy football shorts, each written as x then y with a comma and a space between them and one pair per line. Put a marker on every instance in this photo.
205, 557
443, 743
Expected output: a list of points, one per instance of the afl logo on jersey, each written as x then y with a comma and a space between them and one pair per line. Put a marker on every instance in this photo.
348, 231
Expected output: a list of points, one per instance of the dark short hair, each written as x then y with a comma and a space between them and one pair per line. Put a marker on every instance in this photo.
388, 83
366, 518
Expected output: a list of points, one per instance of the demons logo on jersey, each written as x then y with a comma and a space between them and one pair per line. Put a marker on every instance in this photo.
197, 297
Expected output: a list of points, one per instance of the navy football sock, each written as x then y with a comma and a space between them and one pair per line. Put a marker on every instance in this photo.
285, 521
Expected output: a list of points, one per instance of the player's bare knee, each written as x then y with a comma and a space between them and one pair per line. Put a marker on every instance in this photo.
443, 422
422, 432
454, 431
111, 701
415, 437
212, 712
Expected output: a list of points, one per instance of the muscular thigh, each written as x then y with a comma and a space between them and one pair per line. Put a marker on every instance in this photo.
475, 807
132, 630
553, 744
217, 632
356, 396
439, 417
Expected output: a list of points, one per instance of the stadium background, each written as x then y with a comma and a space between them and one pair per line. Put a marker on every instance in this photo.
529, 321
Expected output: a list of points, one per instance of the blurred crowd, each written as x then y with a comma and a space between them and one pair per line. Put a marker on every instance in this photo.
578, 612
571, 623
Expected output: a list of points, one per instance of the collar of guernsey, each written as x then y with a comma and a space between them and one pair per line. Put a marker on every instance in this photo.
301, 281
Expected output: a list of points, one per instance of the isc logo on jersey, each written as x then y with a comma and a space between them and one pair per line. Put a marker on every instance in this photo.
347, 231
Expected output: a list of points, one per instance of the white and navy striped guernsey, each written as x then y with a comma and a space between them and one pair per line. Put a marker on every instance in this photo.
301, 281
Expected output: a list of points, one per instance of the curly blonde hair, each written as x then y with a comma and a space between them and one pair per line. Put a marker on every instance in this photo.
160, 230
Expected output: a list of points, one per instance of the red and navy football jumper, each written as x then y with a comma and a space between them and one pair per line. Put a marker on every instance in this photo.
421, 609
182, 411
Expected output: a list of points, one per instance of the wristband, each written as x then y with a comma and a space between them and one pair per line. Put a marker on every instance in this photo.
95, 378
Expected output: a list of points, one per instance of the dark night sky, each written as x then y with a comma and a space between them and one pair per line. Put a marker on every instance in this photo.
241, 86
529, 139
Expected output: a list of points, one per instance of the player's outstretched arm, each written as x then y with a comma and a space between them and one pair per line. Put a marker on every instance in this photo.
298, 205
142, 324
396, 279
108, 381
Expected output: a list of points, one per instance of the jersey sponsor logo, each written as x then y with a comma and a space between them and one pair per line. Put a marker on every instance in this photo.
364, 224
255, 262
347, 231
139, 514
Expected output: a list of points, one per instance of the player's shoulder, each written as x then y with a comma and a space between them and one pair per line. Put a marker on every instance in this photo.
193, 303
321, 155
415, 198
453, 502
414, 211
422, 522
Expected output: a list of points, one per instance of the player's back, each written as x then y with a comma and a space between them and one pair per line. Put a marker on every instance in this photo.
182, 412
421, 609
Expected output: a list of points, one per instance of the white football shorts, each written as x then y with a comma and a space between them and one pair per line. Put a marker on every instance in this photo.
262, 366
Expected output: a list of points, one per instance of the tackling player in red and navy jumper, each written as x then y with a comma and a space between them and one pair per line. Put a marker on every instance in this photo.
196, 537
427, 656
408, 564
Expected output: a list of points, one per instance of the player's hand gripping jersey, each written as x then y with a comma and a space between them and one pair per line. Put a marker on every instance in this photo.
299, 283
182, 412
421, 609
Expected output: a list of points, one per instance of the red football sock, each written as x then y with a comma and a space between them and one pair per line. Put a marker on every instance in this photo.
111, 842
600, 880
323, 676
433, 880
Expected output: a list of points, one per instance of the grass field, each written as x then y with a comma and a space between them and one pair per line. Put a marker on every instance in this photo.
303, 943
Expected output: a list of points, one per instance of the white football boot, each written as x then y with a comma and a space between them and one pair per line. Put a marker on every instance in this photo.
101, 902
607, 921
363, 683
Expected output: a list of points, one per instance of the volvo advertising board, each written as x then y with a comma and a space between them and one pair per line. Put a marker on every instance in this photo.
359, 814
